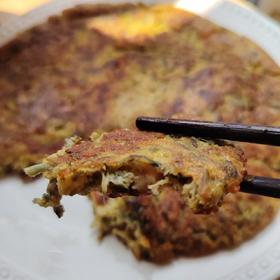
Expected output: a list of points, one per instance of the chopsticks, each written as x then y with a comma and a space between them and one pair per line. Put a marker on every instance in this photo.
215, 130
261, 185
228, 131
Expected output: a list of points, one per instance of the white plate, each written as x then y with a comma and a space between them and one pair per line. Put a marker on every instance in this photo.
34, 244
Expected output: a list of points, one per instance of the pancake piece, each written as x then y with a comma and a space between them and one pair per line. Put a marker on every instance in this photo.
132, 162
158, 229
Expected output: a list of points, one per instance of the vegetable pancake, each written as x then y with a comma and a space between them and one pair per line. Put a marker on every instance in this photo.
135, 162
75, 74
160, 228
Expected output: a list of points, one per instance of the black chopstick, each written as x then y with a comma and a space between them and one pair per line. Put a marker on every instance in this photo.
215, 130
228, 131
261, 185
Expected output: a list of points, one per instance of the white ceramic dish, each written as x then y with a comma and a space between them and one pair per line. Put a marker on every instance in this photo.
34, 244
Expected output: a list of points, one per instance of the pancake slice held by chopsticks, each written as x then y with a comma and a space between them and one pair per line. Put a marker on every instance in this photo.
131, 162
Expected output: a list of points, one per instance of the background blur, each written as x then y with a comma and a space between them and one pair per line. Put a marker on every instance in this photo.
19, 7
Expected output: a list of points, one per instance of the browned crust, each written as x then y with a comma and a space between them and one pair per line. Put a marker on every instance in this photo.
159, 230
83, 11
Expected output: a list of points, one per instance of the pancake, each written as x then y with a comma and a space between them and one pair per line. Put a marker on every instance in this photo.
159, 229
132, 162
75, 74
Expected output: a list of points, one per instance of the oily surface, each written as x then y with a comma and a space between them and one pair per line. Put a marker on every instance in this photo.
135, 162
168, 63
159, 229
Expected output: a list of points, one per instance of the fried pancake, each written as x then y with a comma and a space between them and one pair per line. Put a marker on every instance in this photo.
133, 162
168, 63
71, 76
158, 229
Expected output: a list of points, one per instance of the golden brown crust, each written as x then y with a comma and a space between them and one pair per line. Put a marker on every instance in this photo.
135, 162
160, 229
